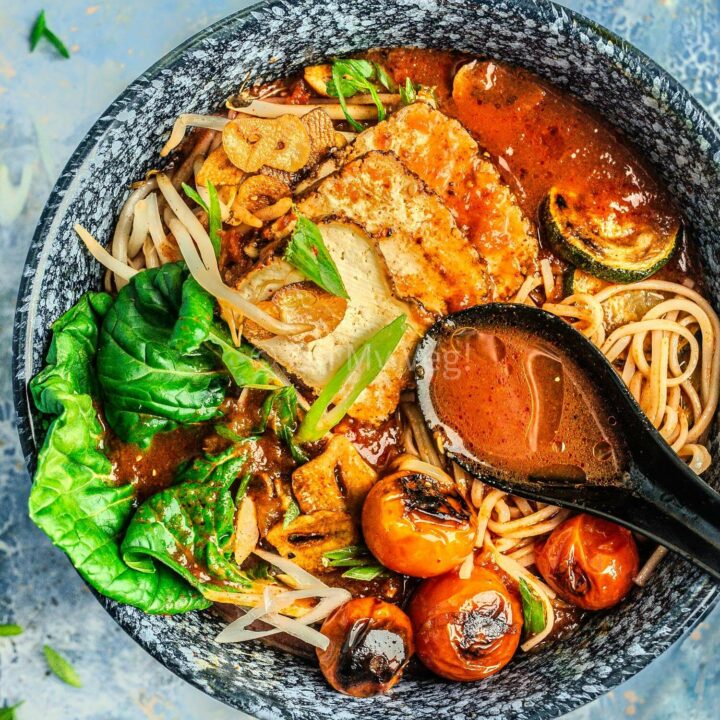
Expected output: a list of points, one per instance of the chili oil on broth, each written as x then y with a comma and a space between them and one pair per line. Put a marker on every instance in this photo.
512, 403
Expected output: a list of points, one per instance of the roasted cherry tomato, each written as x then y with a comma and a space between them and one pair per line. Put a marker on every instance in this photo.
466, 629
371, 641
589, 562
416, 526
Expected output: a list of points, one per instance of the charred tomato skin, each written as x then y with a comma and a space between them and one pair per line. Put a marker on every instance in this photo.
415, 526
371, 642
589, 562
466, 629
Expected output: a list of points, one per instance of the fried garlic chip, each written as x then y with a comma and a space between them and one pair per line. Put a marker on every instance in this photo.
218, 169
322, 134
282, 143
256, 193
317, 77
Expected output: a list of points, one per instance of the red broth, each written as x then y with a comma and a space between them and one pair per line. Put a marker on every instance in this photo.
512, 403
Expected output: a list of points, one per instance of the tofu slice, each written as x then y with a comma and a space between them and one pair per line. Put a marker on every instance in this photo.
372, 306
428, 259
446, 157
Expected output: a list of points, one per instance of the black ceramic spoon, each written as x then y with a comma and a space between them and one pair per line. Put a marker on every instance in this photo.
656, 494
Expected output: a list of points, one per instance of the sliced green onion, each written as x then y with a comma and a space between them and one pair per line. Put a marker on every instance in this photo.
363, 366
9, 630
307, 252
533, 610
408, 93
40, 30
61, 667
212, 211
292, 512
369, 572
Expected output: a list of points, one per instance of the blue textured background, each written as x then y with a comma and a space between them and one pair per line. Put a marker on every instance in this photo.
46, 106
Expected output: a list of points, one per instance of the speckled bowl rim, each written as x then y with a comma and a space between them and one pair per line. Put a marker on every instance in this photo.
677, 103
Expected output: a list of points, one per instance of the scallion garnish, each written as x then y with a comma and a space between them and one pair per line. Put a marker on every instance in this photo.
362, 367
362, 565
212, 211
533, 610
350, 77
40, 30
306, 251
8, 711
9, 630
61, 667
292, 512
408, 92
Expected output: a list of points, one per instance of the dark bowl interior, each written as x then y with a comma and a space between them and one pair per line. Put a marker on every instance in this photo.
276, 38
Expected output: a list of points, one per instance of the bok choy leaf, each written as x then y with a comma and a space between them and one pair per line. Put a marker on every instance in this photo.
74, 498
189, 526
357, 372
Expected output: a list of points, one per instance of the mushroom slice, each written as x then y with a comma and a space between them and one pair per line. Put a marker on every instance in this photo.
337, 479
247, 534
302, 300
282, 143
256, 193
317, 77
308, 537
218, 169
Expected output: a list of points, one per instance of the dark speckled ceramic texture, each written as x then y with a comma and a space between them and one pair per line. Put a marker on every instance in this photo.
276, 38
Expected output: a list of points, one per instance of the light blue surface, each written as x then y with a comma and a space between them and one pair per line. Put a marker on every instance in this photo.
46, 106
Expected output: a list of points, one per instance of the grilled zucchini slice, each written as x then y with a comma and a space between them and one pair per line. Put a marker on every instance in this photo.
614, 249
620, 309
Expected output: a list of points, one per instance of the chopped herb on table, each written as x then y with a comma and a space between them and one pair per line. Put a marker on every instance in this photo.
40, 30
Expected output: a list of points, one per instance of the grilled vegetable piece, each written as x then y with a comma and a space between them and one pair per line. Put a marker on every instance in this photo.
338, 479
610, 247
620, 309
371, 642
308, 537
301, 302
485, 208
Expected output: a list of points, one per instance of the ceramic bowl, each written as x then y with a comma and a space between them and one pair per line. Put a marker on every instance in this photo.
275, 38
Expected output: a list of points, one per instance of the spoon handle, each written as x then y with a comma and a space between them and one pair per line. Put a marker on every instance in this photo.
675, 507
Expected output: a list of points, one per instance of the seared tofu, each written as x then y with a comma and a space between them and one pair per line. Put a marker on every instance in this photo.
372, 306
337, 479
445, 156
428, 259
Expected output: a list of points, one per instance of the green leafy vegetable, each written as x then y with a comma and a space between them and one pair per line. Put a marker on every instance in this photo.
8, 712
188, 527
147, 385
359, 370
195, 318
41, 30
9, 630
292, 512
408, 93
74, 498
350, 77
280, 411
61, 667
307, 252
245, 364
363, 566
533, 610
212, 211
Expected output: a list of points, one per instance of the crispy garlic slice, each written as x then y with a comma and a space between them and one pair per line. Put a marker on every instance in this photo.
282, 143
256, 193
218, 169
